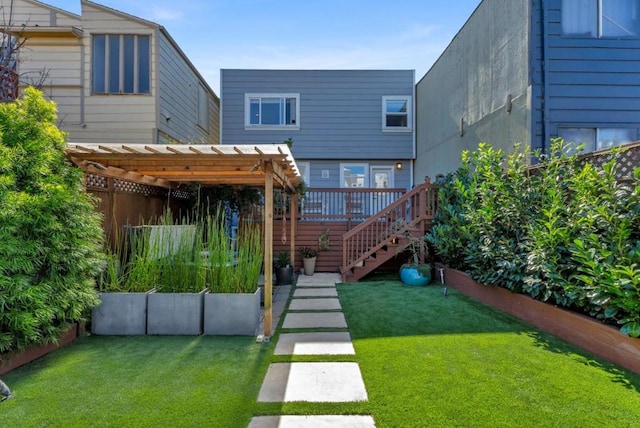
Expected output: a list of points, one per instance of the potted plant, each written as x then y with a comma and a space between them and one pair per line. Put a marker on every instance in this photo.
309, 255
284, 270
414, 272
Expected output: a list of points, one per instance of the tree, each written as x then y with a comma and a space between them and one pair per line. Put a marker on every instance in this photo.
51, 239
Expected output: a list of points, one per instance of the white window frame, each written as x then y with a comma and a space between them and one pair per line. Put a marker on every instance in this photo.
247, 111
598, 18
592, 146
408, 100
357, 164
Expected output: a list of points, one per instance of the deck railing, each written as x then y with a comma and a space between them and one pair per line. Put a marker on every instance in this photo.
351, 205
411, 211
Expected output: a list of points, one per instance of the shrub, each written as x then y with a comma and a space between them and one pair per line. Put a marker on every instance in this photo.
567, 233
50, 235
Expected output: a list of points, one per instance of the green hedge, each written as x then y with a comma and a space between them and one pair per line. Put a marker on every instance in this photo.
50, 236
566, 233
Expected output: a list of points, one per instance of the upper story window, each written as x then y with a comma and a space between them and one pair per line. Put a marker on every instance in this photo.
396, 113
598, 138
268, 111
601, 18
121, 64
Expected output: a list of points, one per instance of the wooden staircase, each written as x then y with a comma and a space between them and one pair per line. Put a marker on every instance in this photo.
382, 236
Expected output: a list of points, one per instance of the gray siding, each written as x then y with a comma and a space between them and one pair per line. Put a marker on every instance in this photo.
590, 82
340, 111
178, 87
470, 83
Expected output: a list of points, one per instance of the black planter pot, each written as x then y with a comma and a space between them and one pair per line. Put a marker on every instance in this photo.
284, 276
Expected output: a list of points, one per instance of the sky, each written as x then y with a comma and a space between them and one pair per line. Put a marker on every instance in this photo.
302, 34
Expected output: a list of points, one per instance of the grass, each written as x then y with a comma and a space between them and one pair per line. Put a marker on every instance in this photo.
431, 360
139, 382
426, 359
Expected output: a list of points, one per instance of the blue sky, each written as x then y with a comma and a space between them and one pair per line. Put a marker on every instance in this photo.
302, 34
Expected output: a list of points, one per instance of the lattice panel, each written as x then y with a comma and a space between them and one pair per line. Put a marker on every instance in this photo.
96, 181
180, 194
140, 189
627, 161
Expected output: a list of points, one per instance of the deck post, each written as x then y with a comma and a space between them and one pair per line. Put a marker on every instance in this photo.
268, 247
294, 227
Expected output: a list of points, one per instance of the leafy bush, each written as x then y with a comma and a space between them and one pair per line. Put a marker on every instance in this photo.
566, 233
50, 235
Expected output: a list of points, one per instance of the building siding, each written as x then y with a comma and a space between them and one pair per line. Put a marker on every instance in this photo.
592, 82
121, 118
340, 111
179, 88
340, 118
462, 99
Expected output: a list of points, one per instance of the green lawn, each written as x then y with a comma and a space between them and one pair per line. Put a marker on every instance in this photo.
436, 361
139, 381
427, 361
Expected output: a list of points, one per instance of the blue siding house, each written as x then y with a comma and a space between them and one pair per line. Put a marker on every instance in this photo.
528, 71
349, 128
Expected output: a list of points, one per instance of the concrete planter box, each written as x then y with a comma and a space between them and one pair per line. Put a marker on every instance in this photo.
122, 314
229, 314
600, 339
175, 313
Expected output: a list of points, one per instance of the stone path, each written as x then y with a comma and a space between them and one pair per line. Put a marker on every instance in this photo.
315, 308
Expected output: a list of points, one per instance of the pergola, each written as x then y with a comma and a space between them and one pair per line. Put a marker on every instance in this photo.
170, 166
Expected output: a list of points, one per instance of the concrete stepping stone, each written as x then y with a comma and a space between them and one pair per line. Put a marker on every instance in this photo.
314, 320
319, 280
315, 292
313, 382
320, 421
329, 343
314, 304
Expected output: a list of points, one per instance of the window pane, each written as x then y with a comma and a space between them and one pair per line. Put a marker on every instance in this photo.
254, 111
290, 111
579, 136
609, 137
620, 18
354, 176
270, 114
397, 120
580, 17
396, 106
129, 62
144, 71
114, 64
98, 65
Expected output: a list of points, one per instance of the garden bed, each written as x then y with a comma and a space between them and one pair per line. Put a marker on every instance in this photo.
600, 339
12, 360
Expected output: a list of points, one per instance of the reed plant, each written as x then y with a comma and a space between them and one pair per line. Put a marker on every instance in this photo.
234, 266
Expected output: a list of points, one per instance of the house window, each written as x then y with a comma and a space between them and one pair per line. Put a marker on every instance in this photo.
272, 111
203, 108
396, 113
354, 175
121, 64
598, 138
601, 18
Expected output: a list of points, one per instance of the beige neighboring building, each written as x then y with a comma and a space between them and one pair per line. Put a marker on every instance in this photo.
116, 78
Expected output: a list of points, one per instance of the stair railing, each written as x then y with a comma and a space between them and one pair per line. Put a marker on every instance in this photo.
409, 212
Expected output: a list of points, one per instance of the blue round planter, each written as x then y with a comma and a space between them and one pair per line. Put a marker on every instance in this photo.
410, 275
